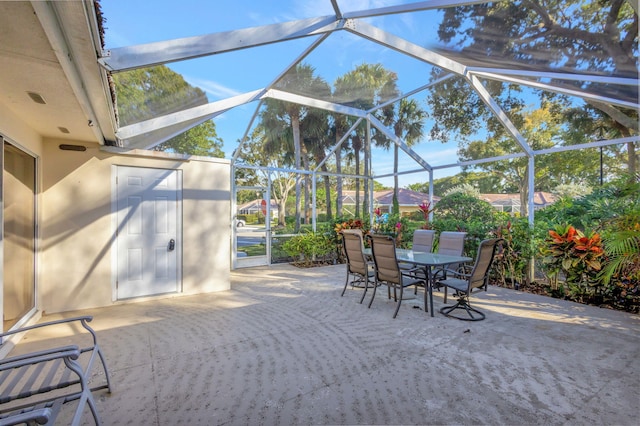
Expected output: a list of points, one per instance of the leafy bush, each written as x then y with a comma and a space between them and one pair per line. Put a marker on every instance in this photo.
309, 246
511, 261
462, 212
569, 251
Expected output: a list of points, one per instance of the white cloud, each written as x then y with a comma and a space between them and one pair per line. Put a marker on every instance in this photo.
216, 90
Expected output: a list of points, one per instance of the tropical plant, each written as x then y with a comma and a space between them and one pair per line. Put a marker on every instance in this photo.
408, 126
569, 251
281, 120
512, 260
623, 249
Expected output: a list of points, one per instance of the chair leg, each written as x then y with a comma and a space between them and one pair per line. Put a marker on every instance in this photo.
346, 283
426, 297
375, 287
463, 304
399, 302
366, 287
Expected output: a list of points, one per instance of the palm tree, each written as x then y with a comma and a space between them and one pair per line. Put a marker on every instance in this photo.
364, 87
282, 119
409, 127
316, 140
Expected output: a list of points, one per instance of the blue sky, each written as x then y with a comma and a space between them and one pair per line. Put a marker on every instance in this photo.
130, 22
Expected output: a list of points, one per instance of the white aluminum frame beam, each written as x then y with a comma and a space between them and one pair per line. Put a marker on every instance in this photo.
403, 146
162, 52
623, 81
340, 142
564, 91
209, 110
499, 113
401, 45
411, 7
314, 103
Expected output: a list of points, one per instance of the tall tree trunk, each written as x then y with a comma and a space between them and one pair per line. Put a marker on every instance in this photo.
327, 190
281, 212
633, 164
295, 126
524, 193
307, 185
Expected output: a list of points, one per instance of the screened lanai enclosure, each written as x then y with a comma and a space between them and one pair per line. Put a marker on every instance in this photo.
323, 101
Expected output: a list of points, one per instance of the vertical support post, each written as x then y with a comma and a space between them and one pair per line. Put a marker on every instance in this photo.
431, 194
267, 220
531, 269
314, 219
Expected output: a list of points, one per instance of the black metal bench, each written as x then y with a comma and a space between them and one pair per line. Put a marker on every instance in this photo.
34, 386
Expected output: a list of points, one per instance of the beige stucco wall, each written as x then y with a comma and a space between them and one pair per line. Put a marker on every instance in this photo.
77, 231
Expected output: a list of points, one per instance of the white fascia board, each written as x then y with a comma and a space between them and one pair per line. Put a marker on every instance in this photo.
162, 52
403, 146
209, 110
555, 89
499, 113
401, 45
55, 31
315, 103
412, 7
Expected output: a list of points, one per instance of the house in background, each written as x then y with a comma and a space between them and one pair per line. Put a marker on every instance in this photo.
84, 223
408, 200
256, 207
510, 203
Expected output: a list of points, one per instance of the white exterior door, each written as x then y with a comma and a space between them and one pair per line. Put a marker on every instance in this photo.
147, 234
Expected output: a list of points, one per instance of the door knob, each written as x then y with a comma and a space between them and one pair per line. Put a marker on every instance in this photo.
172, 244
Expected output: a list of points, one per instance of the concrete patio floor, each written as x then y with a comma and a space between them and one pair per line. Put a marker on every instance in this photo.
283, 348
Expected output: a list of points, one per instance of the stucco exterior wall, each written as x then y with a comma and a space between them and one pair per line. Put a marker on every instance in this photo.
76, 264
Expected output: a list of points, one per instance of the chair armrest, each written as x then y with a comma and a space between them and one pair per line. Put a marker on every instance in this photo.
50, 354
40, 416
83, 320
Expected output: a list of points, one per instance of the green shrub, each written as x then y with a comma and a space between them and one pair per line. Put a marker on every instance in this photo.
309, 247
569, 251
465, 213
511, 262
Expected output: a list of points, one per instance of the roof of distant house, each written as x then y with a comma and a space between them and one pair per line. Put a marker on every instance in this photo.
406, 197
540, 198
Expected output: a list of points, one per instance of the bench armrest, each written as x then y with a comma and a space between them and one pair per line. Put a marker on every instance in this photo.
84, 320
40, 416
71, 351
